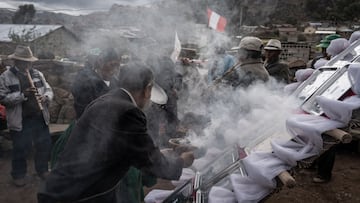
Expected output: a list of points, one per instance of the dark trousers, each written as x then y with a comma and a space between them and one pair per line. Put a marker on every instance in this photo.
34, 131
326, 163
109, 197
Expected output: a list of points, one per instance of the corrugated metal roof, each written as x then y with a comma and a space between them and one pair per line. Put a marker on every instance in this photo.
39, 30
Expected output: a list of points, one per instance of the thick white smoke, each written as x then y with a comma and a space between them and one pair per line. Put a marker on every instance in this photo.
243, 116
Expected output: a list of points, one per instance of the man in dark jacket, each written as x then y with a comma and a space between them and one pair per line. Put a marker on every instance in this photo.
95, 79
280, 71
108, 138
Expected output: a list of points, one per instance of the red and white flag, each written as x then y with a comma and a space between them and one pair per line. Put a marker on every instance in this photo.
216, 21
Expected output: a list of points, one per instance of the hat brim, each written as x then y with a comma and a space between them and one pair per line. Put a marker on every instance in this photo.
158, 95
14, 57
272, 48
322, 45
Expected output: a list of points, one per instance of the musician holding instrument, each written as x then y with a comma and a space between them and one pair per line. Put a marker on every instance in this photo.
219, 63
26, 95
250, 67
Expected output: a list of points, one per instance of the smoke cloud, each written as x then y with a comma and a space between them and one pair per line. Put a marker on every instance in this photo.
243, 116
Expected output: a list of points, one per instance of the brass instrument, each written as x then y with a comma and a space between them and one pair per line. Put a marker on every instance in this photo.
33, 86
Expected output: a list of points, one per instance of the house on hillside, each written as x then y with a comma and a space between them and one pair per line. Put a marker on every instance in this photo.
344, 31
288, 34
309, 30
248, 29
51, 39
315, 24
325, 30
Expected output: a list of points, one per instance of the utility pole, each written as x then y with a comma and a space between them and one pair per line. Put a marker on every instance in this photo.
241, 15
207, 7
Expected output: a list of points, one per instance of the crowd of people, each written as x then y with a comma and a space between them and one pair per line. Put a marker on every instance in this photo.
116, 143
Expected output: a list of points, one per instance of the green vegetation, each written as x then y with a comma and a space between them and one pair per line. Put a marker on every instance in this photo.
24, 14
24, 37
335, 10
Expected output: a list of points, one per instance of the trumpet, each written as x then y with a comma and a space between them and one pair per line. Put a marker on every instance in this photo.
33, 86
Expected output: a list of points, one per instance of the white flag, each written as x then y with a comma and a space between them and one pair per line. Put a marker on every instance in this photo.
177, 48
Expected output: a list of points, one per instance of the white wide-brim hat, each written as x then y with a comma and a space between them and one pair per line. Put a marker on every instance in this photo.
158, 95
273, 44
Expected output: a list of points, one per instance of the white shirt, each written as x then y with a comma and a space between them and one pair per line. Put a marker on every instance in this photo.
107, 83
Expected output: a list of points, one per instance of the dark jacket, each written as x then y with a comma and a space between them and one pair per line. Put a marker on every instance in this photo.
279, 71
88, 86
163, 115
109, 137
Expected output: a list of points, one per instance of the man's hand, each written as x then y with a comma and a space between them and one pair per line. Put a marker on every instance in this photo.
44, 99
184, 148
167, 152
188, 158
30, 91
41, 98
185, 61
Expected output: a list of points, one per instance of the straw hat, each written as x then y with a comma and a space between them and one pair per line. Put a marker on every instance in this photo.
273, 44
23, 53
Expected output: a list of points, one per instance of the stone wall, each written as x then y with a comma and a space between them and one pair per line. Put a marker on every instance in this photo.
60, 76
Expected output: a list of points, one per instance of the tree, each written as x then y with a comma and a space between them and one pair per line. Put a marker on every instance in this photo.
24, 37
24, 14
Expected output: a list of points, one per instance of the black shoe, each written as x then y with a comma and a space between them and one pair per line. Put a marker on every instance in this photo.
44, 175
20, 182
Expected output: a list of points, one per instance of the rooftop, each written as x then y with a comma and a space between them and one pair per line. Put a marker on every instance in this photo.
38, 30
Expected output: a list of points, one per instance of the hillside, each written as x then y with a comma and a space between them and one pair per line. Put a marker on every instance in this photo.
247, 12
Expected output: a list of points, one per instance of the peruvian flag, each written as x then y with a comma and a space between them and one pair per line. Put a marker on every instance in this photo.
216, 21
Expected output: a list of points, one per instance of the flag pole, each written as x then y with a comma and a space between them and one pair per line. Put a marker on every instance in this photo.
207, 8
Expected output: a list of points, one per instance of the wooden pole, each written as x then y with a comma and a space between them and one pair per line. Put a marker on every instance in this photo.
341, 135
33, 86
287, 179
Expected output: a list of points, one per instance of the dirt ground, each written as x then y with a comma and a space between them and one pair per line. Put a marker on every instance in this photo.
344, 186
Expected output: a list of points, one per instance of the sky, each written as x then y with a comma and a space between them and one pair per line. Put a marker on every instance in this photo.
70, 7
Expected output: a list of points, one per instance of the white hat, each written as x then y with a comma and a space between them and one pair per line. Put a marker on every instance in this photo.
273, 44
158, 95
250, 43
354, 36
320, 63
337, 46
23, 53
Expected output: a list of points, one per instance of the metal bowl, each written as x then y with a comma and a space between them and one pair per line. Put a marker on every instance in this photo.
177, 142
